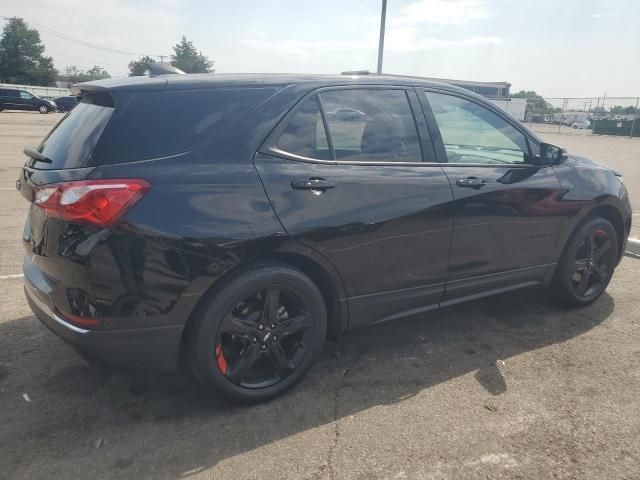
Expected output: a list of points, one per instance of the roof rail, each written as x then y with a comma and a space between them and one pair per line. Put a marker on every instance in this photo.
156, 69
356, 72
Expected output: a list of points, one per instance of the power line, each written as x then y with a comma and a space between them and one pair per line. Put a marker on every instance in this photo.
102, 64
84, 43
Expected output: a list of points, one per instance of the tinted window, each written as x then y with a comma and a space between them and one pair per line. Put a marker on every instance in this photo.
11, 93
152, 124
371, 125
71, 142
474, 134
303, 133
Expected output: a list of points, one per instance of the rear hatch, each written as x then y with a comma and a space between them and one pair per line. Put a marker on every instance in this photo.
88, 157
63, 156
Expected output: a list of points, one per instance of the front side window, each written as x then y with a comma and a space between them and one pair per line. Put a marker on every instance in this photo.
26, 96
371, 125
474, 134
303, 133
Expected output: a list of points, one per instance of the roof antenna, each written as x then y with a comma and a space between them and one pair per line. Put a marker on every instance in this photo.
158, 68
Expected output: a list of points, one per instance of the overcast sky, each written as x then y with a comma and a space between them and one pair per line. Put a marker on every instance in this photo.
557, 47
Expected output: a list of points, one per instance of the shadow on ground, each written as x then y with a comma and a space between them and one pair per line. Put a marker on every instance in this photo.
164, 427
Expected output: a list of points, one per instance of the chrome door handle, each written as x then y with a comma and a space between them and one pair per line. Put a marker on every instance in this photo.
312, 184
471, 182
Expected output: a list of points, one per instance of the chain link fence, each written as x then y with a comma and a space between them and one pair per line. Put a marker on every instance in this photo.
619, 116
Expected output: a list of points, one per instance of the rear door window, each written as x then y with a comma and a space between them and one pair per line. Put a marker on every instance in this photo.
371, 125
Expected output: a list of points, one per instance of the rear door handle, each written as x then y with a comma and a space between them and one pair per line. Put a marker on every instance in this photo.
471, 182
313, 184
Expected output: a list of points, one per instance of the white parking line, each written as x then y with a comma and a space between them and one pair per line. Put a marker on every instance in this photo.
7, 277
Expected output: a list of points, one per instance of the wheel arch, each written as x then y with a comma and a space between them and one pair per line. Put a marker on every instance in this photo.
610, 213
327, 281
604, 207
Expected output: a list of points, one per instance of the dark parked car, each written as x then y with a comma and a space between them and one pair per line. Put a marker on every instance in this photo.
13, 99
66, 104
225, 221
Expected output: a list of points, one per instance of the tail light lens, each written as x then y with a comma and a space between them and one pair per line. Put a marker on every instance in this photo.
79, 321
96, 202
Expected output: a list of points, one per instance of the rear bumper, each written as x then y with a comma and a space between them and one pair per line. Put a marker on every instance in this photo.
144, 349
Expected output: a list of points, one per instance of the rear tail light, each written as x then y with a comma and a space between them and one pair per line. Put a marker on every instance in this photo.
96, 202
78, 320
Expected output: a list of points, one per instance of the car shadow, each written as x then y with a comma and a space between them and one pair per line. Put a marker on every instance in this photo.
163, 427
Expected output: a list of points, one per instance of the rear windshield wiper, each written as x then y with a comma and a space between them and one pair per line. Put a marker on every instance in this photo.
37, 156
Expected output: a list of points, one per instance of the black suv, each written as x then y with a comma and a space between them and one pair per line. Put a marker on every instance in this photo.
13, 99
66, 104
230, 222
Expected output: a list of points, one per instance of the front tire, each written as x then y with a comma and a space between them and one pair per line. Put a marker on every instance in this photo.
587, 264
43, 109
258, 333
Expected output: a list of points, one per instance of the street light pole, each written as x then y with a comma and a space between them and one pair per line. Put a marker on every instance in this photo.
383, 17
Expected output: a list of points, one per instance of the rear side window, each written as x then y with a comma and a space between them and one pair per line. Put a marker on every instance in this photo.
151, 124
371, 125
303, 133
70, 143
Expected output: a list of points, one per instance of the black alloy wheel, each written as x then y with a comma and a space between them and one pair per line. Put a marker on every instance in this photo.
593, 264
588, 263
257, 333
264, 338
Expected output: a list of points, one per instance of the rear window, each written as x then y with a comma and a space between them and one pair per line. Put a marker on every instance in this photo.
70, 143
150, 124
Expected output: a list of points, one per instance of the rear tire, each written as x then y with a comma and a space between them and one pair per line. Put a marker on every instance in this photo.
258, 333
587, 264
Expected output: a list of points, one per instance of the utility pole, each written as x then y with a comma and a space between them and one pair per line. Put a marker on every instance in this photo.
162, 58
383, 17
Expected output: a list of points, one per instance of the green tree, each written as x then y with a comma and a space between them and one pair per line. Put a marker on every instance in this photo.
137, 68
76, 75
188, 59
536, 105
22, 58
97, 73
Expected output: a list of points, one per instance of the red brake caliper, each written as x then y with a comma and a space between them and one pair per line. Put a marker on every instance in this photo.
222, 363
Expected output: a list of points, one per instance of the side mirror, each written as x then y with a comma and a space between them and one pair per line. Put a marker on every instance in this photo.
551, 154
